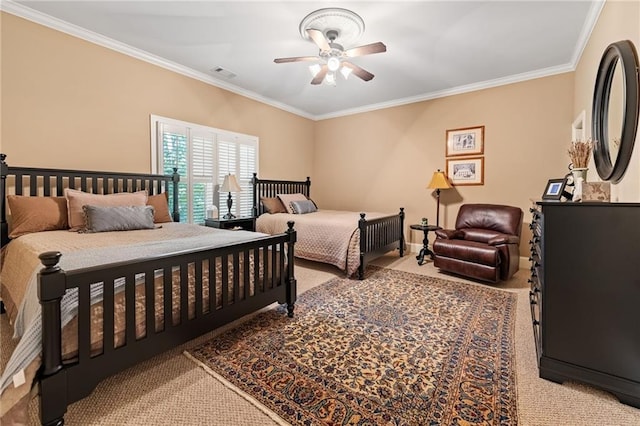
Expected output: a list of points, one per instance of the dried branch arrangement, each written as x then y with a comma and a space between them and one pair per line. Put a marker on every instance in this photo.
580, 152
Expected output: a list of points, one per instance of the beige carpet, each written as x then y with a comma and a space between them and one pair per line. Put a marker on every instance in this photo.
171, 390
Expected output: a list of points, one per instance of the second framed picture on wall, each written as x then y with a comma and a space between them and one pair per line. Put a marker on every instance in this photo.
466, 171
465, 141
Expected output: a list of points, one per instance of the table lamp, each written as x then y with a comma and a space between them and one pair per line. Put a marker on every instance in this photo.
439, 181
230, 184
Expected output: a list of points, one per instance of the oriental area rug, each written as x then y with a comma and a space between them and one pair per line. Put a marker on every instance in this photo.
394, 349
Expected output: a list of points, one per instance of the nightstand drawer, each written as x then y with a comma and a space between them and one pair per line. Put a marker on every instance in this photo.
246, 223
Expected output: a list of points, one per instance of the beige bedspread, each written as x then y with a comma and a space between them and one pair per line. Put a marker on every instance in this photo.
327, 236
21, 263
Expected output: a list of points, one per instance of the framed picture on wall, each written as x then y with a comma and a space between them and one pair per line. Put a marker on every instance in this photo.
466, 171
465, 141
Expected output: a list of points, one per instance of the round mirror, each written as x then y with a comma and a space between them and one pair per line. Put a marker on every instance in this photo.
615, 110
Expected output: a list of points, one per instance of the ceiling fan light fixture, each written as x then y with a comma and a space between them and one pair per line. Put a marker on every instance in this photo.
333, 63
329, 29
346, 72
330, 79
314, 69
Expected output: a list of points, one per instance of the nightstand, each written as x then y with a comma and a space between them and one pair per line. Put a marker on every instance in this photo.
246, 223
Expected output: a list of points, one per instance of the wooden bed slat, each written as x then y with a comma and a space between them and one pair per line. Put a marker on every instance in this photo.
84, 323
130, 309
107, 320
198, 290
167, 296
184, 293
149, 304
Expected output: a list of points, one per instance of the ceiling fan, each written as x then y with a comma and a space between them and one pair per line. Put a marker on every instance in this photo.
337, 23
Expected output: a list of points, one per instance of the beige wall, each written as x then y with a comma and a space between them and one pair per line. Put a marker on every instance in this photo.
69, 103
619, 20
384, 159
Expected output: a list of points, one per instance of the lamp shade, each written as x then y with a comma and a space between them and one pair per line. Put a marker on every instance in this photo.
230, 184
439, 181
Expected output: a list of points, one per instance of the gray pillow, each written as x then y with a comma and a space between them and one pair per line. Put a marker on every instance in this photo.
121, 218
303, 206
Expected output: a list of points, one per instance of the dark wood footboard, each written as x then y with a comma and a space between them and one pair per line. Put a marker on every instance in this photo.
62, 383
379, 236
165, 300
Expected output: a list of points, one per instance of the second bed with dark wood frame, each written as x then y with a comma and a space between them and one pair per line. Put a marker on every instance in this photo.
63, 382
377, 236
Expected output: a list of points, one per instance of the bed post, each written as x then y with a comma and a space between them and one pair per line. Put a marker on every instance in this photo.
53, 381
4, 228
362, 226
256, 200
401, 231
175, 178
291, 279
4, 171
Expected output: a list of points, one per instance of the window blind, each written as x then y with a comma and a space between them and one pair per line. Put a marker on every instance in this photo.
203, 156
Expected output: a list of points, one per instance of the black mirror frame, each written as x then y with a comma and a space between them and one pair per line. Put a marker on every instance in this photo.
624, 52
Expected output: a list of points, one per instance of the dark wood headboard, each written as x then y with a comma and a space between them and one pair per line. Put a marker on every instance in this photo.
271, 188
39, 182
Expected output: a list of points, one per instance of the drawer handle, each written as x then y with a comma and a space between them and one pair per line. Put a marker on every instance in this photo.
536, 322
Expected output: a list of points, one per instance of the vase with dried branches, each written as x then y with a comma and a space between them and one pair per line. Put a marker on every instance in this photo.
580, 153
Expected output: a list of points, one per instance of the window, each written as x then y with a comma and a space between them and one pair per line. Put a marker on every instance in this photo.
203, 156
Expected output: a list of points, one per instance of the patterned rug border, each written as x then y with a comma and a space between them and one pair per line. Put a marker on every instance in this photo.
372, 270
227, 384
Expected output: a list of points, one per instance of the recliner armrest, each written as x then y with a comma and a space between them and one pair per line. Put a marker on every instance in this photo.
449, 234
504, 239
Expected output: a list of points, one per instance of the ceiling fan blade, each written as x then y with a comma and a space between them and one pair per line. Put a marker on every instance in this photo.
295, 59
360, 72
319, 39
320, 76
367, 49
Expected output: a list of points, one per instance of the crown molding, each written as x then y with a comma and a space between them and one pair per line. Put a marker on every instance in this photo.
587, 29
545, 72
25, 12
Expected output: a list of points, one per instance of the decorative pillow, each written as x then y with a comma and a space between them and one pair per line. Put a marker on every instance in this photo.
303, 206
121, 218
35, 214
77, 199
273, 205
288, 198
160, 203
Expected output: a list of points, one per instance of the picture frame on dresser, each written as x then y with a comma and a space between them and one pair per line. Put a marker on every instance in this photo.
554, 189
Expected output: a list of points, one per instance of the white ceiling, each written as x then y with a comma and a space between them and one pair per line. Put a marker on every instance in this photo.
434, 48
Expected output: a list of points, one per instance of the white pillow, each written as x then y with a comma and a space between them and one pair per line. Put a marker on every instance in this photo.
288, 198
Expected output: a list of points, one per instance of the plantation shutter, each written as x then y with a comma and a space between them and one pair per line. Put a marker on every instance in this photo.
203, 176
226, 165
174, 153
203, 157
248, 159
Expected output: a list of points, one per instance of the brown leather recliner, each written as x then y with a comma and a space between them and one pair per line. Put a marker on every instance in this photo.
484, 245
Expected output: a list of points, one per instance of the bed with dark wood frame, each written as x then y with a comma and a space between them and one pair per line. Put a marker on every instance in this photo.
63, 382
377, 236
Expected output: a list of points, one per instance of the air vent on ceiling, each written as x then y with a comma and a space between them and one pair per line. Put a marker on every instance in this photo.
223, 72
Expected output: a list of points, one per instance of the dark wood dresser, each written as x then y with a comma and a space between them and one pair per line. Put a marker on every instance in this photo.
585, 294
